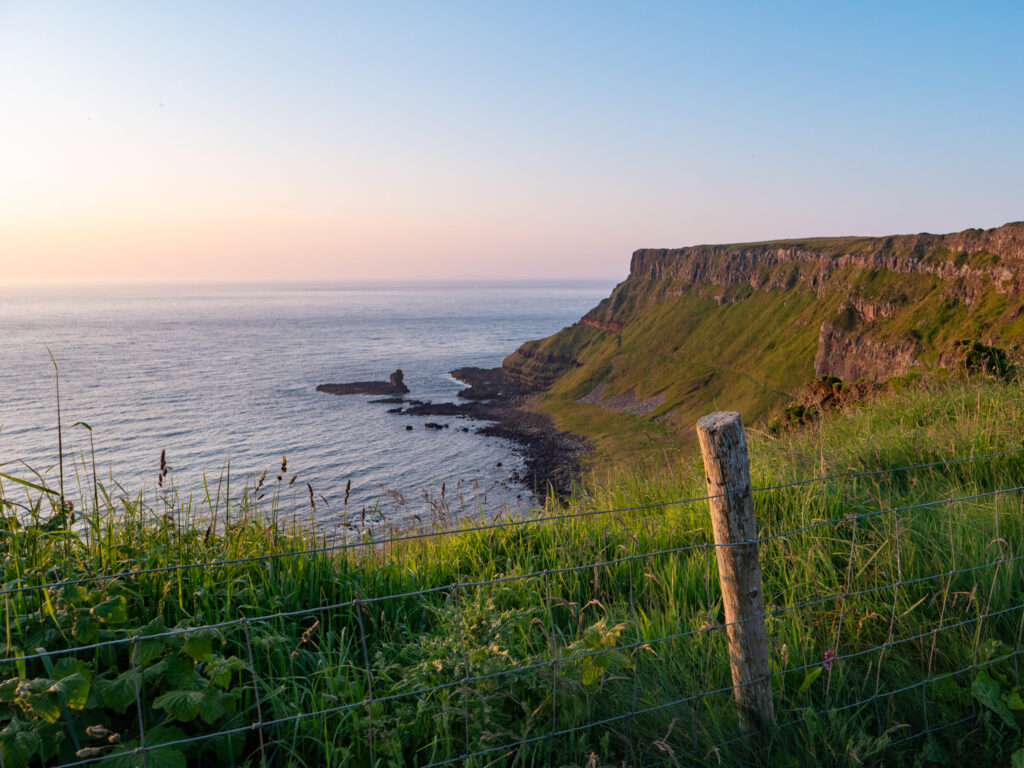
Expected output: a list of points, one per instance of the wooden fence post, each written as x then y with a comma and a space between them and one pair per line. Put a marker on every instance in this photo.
727, 468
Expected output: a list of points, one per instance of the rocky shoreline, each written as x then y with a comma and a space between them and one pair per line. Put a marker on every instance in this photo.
551, 457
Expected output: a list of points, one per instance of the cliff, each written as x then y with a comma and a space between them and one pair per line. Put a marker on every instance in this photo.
745, 325
972, 255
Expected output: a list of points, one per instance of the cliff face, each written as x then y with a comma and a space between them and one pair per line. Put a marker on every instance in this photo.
749, 323
852, 357
814, 262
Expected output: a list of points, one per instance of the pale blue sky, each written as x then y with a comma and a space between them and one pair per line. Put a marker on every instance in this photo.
437, 140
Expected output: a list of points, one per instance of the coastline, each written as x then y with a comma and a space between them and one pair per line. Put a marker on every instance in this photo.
551, 456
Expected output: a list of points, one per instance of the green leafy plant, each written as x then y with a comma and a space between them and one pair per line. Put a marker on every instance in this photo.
994, 691
596, 653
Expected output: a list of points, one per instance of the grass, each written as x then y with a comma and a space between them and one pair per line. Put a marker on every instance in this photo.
693, 353
420, 651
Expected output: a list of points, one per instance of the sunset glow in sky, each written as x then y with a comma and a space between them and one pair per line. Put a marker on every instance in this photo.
340, 141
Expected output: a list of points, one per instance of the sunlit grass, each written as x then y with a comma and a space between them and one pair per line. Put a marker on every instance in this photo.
533, 629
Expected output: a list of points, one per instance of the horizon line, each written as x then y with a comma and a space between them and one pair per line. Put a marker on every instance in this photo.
300, 282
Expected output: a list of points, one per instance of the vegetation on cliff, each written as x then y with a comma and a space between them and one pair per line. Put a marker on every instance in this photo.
746, 325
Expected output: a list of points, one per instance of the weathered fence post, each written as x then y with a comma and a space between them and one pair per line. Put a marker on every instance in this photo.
727, 468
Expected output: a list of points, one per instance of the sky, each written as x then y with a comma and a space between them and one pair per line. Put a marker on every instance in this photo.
343, 141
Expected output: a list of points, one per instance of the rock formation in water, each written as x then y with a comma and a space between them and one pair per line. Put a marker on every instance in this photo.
394, 386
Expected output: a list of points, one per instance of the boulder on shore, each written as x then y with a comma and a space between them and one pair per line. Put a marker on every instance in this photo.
394, 386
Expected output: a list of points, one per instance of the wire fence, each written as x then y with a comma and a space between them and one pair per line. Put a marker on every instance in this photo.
623, 655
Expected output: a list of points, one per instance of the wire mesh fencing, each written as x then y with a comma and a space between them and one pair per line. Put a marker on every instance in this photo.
605, 643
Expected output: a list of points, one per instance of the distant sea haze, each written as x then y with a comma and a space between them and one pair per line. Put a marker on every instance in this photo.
228, 372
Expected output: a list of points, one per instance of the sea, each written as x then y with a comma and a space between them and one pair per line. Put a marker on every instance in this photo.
221, 380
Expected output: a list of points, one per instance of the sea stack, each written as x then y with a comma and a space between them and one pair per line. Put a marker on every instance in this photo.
394, 386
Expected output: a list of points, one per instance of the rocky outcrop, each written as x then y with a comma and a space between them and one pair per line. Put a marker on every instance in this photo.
608, 327
535, 365
488, 383
394, 386
852, 356
535, 370
872, 310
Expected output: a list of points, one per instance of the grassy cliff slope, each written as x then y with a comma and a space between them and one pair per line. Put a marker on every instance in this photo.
743, 326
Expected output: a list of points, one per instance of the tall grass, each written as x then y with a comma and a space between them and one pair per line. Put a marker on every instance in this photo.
533, 644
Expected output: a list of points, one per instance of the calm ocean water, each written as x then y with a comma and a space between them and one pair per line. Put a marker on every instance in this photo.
218, 373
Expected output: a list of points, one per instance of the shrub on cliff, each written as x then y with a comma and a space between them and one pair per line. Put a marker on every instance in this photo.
976, 357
